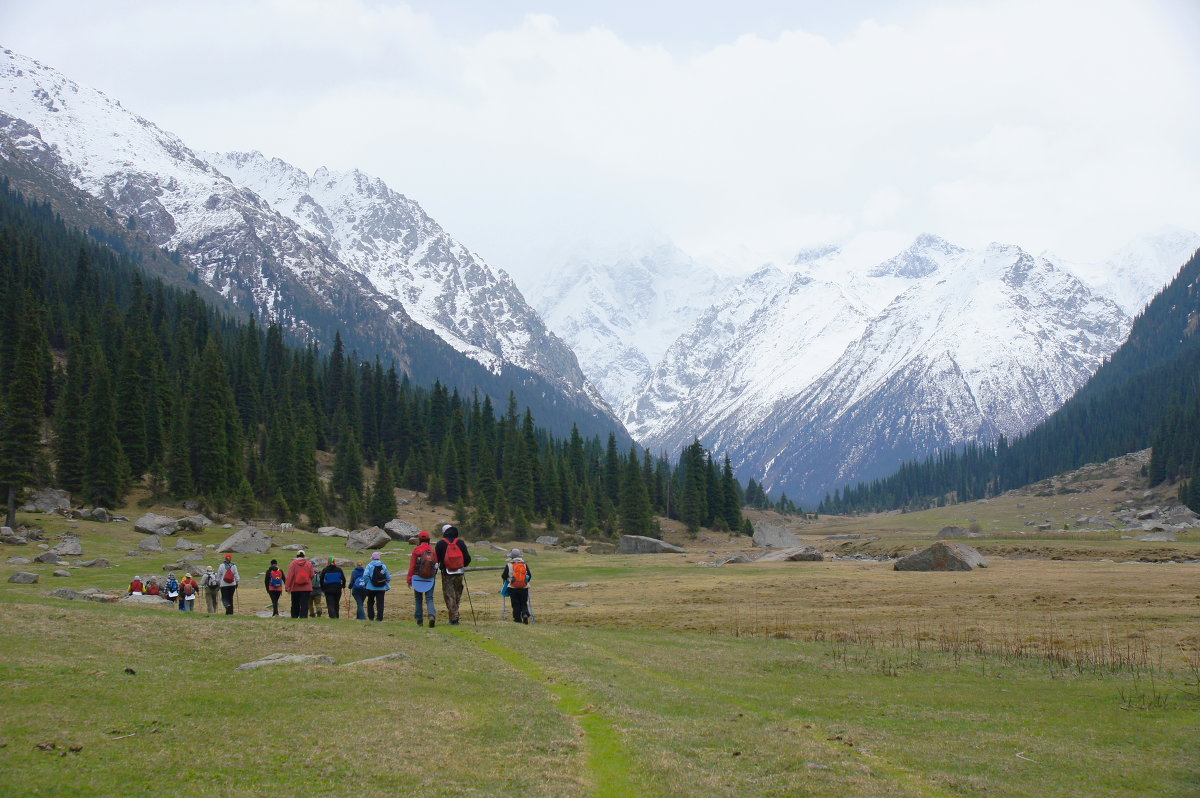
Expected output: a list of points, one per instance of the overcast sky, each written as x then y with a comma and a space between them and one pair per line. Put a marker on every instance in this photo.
741, 130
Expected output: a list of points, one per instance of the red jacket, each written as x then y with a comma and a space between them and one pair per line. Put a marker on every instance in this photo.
412, 561
299, 576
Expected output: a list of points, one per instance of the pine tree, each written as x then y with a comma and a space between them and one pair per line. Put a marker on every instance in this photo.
635, 503
381, 507
105, 472
22, 406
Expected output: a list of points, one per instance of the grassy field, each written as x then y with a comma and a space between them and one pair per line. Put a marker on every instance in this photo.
658, 677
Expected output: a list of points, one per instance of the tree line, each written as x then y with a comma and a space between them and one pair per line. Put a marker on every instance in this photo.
111, 379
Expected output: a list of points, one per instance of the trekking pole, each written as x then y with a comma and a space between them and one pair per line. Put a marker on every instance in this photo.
467, 590
529, 606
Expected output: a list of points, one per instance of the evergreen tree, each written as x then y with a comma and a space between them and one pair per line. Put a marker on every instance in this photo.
635, 503
381, 507
105, 472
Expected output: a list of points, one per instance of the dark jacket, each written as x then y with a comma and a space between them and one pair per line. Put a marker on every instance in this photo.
354, 576
334, 587
441, 552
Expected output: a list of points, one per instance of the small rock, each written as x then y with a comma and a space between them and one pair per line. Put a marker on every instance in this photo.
578, 584
100, 515
393, 657
70, 547
575, 604
19, 561
24, 578
151, 543
61, 572
99, 562
48, 557
183, 544
287, 659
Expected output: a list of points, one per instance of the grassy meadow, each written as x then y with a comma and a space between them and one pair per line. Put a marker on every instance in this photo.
657, 677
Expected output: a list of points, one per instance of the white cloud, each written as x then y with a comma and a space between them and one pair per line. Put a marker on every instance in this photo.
1048, 124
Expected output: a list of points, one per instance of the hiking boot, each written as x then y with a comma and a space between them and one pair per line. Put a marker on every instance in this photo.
432, 622
454, 623
420, 622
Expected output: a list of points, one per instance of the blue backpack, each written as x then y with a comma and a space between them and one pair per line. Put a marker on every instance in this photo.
332, 578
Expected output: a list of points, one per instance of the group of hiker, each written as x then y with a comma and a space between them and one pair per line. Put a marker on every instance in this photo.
368, 583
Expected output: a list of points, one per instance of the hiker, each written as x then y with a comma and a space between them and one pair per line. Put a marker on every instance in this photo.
333, 579
453, 557
299, 584
136, 586
152, 587
422, 573
227, 578
358, 589
212, 589
516, 578
172, 587
273, 582
188, 589
377, 580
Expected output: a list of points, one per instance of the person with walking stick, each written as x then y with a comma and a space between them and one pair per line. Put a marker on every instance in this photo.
422, 574
453, 557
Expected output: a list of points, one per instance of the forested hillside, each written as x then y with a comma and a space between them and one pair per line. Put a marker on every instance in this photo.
112, 379
1126, 406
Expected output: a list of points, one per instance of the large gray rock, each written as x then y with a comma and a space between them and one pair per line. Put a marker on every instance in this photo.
332, 532
87, 594
7, 535
547, 540
942, 557
794, 554
183, 544
155, 524
48, 500
19, 561
247, 540
1157, 537
99, 562
61, 572
100, 515
774, 537
155, 601
70, 547
371, 538
48, 557
639, 544
286, 659
23, 578
152, 543
956, 532
194, 523
398, 529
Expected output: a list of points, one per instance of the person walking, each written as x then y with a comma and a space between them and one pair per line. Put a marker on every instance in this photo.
173, 589
377, 579
212, 589
516, 578
228, 578
422, 574
358, 589
299, 584
333, 580
188, 589
453, 557
273, 582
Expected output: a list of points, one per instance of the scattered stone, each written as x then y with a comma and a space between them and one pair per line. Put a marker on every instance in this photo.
48, 500
70, 547
19, 561
547, 540
1157, 537
48, 557
247, 540
942, 557
156, 601
293, 547
578, 584
183, 544
956, 532
24, 578
286, 659
332, 532
87, 594
1043, 527
640, 544
151, 543
574, 604
7, 535
851, 536
101, 515
155, 524
393, 657
794, 554
571, 549
99, 562
774, 537
400, 530
61, 572
734, 559
370, 538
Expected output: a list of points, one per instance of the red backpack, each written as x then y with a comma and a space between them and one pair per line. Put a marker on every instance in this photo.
427, 563
518, 575
453, 561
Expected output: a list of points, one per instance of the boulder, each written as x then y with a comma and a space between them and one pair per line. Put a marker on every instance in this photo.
774, 537
400, 530
23, 578
87, 594
157, 601
152, 543
48, 500
1147, 514
61, 572
48, 557
194, 523
639, 544
99, 562
956, 532
70, 547
1157, 537
942, 557
371, 538
547, 540
7, 535
100, 514
183, 544
247, 540
193, 556
287, 659
19, 561
602, 548
794, 554
155, 524
735, 559
332, 532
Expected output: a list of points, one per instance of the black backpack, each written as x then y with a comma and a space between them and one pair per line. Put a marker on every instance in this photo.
379, 576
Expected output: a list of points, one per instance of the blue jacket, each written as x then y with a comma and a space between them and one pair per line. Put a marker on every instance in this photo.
372, 566
354, 576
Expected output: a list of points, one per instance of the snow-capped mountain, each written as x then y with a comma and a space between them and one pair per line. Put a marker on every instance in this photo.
318, 254
845, 362
1140, 269
619, 311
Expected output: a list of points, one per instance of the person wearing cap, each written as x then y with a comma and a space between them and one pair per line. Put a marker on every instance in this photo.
212, 589
453, 557
516, 579
173, 587
376, 592
421, 577
333, 579
136, 586
273, 582
188, 589
358, 589
299, 584
227, 578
